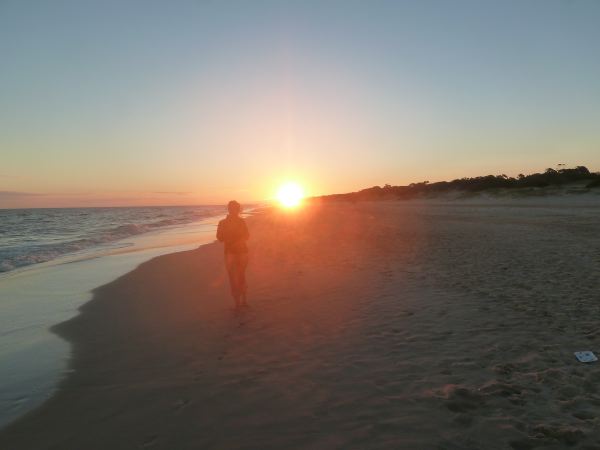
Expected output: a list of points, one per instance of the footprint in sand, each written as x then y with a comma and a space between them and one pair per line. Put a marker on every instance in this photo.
222, 355
505, 369
524, 444
501, 389
464, 420
387, 274
463, 400
563, 434
584, 415
542, 436
149, 442
180, 404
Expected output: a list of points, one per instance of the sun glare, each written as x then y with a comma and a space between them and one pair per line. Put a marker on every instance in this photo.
290, 194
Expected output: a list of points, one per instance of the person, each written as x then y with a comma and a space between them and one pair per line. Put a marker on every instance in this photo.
233, 232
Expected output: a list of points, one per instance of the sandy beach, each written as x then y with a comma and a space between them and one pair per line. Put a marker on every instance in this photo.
372, 325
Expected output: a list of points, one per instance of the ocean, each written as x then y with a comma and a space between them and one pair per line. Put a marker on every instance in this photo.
31, 236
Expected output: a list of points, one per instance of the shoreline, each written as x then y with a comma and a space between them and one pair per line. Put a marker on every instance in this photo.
36, 297
372, 325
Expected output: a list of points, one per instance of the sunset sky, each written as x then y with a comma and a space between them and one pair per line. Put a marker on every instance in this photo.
191, 102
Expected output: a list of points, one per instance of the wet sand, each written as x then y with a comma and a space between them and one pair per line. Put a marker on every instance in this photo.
372, 325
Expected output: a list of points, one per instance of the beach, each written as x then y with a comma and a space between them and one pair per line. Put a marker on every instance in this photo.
372, 325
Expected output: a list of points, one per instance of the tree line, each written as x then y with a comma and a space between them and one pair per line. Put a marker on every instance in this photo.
550, 177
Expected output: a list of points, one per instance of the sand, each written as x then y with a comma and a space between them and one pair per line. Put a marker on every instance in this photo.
373, 325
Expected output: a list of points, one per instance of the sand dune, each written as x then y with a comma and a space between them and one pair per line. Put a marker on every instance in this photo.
373, 325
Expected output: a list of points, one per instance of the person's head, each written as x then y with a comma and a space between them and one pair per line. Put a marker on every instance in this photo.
234, 208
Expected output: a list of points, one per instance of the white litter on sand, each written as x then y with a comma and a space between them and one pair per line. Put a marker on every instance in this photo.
586, 356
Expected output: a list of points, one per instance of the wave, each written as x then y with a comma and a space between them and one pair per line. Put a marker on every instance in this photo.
25, 250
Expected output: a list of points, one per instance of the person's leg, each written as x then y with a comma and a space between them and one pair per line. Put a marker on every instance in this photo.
231, 266
242, 286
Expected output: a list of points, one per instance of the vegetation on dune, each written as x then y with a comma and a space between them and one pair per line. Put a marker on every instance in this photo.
492, 183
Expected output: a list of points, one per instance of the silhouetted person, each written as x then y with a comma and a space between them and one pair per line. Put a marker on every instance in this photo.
233, 232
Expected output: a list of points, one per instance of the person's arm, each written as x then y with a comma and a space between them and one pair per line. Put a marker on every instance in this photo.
220, 236
246, 234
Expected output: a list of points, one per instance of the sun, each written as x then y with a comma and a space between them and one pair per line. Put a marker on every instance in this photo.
290, 194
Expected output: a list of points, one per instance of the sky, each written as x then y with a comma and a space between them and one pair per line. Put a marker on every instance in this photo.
199, 102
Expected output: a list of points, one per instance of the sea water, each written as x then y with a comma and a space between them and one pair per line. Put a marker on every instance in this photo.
50, 260
30, 236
